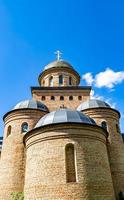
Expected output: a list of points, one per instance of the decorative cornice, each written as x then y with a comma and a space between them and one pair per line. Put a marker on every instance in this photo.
62, 88
57, 69
20, 112
56, 137
101, 109
62, 126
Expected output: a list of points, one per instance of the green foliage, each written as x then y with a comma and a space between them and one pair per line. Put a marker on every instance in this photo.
17, 196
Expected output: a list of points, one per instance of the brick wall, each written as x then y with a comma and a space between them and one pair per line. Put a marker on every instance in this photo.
12, 164
79, 95
115, 144
46, 167
44, 78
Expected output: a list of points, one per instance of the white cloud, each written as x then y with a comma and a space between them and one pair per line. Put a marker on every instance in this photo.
96, 96
122, 115
107, 100
107, 78
88, 78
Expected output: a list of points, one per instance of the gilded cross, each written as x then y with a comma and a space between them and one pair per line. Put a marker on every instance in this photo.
58, 54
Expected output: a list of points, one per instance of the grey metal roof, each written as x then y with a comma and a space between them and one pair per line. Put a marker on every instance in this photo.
58, 63
64, 116
31, 104
93, 103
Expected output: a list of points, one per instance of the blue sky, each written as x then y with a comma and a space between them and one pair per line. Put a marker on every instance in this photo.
89, 33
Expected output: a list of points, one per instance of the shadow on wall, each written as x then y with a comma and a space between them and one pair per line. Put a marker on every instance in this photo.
121, 195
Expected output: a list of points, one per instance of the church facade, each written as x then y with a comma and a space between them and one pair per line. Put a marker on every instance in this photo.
61, 144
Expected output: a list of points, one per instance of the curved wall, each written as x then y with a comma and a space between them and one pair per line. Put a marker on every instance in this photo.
115, 144
12, 164
46, 174
54, 73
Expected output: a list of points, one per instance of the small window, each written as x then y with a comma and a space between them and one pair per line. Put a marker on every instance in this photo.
70, 163
52, 98
9, 130
61, 98
43, 98
79, 98
60, 79
51, 81
71, 98
117, 128
24, 127
70, 80
43, 82
104, 125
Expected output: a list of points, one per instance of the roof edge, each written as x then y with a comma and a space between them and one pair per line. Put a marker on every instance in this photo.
59, 68
106, 108
56, 125
61, 88
22, 109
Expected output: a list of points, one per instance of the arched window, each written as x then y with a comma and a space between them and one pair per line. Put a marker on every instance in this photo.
9, 129
61, 98
60, 79
70, 98
24, 127
43, 98
52, 98
70, 163
117, 128
51, 81
104, 125
70, 80
43, 82
79, 98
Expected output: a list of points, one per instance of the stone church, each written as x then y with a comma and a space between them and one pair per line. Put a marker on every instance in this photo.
62, 145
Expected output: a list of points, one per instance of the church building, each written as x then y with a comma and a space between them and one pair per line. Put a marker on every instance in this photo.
61, 144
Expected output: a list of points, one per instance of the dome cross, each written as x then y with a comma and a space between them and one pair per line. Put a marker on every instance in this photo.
58, 54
